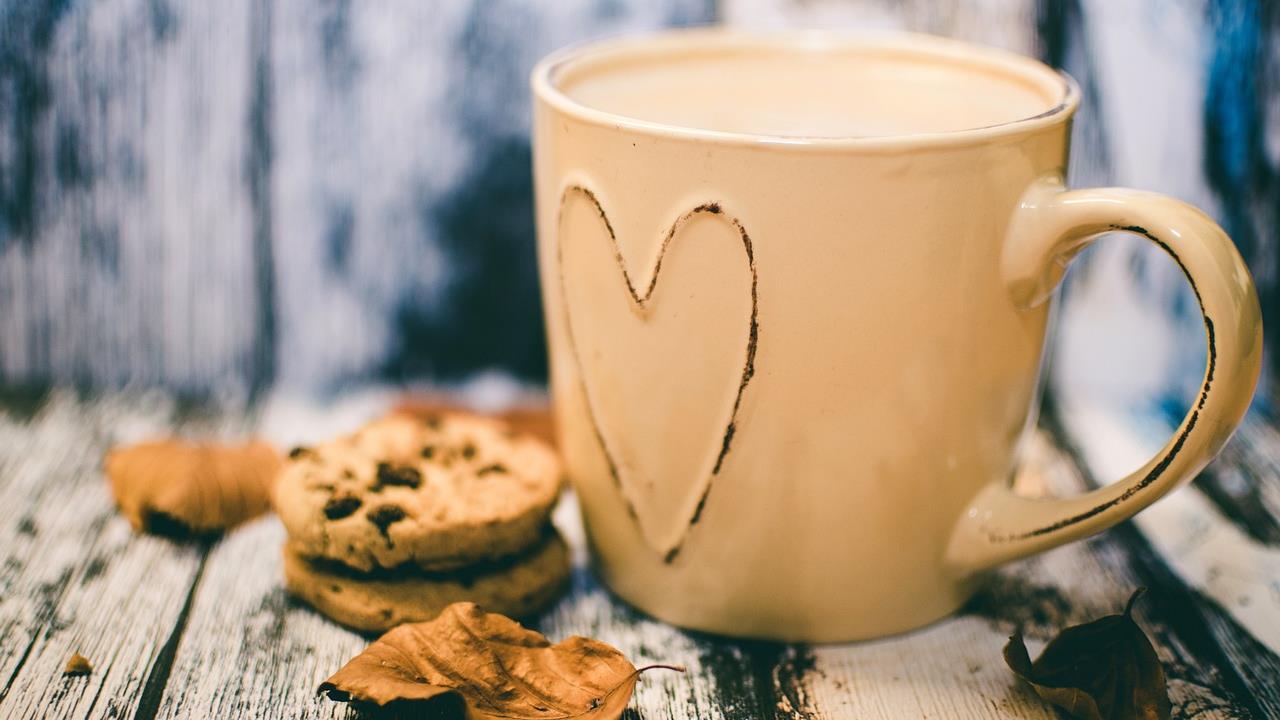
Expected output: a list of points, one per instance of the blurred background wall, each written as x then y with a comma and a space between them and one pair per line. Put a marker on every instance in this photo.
306, 194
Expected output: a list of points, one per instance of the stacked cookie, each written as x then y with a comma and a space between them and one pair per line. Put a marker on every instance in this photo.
395, 522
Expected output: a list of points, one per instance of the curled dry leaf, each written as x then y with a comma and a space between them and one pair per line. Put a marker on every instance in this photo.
77, 665
1098, 671
172, 487
469, 663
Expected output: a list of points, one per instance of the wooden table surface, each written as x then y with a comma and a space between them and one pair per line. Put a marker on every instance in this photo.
206, 630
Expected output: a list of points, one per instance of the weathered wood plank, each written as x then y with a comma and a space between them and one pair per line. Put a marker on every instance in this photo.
71, 568
1244, 483
955, 669
1003, 23
722, 679
249, 650
177, 631
210, 194
74, 577
107, 616
128, 253
906, 676
1232, 580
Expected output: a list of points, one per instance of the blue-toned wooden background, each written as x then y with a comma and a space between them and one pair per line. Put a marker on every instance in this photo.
305, 194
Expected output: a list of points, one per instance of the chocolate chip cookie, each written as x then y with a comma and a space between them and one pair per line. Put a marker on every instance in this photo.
439, 492
378, 601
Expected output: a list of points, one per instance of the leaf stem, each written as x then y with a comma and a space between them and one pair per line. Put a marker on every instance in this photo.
660, 666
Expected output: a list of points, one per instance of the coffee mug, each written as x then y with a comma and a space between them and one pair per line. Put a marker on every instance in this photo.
796, 289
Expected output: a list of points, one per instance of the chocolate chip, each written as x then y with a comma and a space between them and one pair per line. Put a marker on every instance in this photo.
384, 515
340, 507
348, 474
428, 451
494, 468
432, 421
468, 451
301, 452
404, 476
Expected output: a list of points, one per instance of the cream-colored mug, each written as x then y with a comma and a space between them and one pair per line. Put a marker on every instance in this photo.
796, 289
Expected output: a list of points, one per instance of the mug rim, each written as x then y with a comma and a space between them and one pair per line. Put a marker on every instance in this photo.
544, 81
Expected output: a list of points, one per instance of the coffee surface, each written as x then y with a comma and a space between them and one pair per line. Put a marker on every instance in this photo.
800, 92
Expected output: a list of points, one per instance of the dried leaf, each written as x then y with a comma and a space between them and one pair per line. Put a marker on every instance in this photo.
1098, 671
532, 420
172, 487
77, 665
469, 663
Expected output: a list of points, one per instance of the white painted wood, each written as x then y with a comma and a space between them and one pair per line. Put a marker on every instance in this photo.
954, 668
142, 268
227, 193
1210, 553
591, 612
949, 670
1251, 465
74, 577
1010, 24
119, 620
247, 650
250, 651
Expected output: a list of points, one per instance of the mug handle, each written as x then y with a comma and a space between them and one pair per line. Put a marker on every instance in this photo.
1049, 227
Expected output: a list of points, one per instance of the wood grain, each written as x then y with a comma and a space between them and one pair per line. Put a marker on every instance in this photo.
1244, 483
954, 668
212, 196
74, 577
251, 651
189, 631
204, 196
1221, 584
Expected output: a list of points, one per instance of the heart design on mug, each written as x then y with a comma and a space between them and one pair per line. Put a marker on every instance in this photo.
663, 363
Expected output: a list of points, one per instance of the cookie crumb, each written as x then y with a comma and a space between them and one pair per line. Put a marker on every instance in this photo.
300, 452
78, 665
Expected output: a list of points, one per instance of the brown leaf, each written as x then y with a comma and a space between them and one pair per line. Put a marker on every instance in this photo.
475, 664
172, 487
1098, 671
532, 420
77, 665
